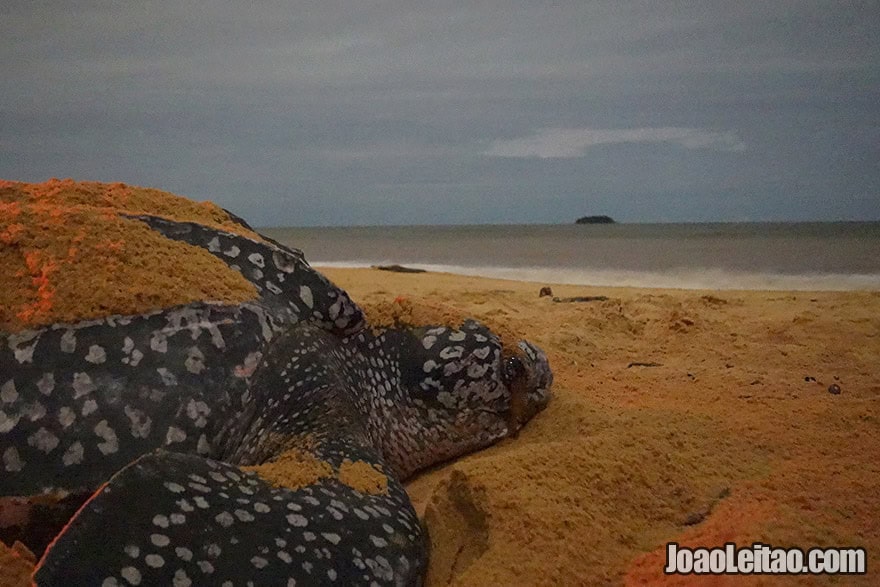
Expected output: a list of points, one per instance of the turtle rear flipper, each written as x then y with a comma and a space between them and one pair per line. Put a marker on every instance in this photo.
170, 518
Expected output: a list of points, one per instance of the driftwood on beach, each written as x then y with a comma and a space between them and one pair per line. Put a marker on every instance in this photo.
580, 299
398, 269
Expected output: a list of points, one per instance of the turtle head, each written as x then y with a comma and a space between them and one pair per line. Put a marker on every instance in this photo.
462, 390
528, 378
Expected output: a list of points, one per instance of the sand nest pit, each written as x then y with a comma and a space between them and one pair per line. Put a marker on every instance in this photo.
67, 254
458, 528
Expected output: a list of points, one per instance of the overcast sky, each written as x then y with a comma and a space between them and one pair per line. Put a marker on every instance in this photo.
405, 112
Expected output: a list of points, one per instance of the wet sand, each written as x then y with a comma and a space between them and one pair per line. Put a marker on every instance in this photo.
717, 437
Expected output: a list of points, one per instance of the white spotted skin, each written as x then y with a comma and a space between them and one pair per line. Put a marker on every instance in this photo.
321, 524
12, 462
84, 414
96, 355
237, 542
8, 393
421, 402
23, 344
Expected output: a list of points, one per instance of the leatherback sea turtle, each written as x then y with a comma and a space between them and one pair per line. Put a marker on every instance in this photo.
146, 426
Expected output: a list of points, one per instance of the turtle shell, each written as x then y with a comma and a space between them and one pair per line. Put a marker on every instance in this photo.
124, 331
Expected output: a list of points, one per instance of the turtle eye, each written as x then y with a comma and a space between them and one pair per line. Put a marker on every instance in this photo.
512, 370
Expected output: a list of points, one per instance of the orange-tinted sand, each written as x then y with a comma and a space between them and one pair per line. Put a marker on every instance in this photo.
404, 311
295, 468
119, 197
16, 565
66, 254
725, 434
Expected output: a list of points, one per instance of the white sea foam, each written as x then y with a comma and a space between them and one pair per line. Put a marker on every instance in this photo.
756, 256
682, 278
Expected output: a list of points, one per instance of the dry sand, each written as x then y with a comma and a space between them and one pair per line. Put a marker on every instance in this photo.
723, 440
67, 255
16, 565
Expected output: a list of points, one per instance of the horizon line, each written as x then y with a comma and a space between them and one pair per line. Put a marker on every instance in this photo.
615, 223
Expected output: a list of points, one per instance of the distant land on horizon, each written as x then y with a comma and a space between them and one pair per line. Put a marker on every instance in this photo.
602, 219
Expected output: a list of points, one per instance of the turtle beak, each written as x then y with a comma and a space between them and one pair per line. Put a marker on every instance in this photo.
517, 415
528, 378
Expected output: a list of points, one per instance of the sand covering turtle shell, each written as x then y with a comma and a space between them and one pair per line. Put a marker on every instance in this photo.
67, 255
16, 565
295, 468
417, 311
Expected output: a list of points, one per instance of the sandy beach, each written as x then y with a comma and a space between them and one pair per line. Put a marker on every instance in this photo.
722, 438
677, 416
700, 417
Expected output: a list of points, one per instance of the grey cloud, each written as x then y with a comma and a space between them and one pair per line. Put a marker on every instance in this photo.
394, 112
573, 142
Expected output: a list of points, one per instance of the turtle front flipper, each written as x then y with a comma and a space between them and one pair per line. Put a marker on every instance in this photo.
169, 518
285, 281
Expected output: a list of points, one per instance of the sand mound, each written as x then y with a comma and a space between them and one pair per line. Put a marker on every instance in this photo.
67, 255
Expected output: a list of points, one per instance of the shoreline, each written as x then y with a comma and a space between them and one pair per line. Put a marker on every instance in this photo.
683, 279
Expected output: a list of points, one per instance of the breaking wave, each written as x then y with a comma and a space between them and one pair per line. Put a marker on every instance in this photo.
682, 278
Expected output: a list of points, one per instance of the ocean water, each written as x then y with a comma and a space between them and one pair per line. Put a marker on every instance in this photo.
774, 256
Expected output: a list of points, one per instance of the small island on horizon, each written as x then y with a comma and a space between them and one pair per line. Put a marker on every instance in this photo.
595, 220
